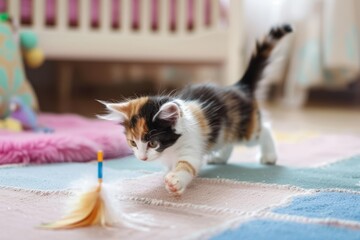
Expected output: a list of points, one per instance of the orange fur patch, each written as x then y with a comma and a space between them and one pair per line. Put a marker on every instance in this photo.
201, 119
130, 110
254, 122
133, 107
140, 129
185, 166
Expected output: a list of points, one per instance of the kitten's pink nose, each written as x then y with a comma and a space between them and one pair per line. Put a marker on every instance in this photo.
143, 158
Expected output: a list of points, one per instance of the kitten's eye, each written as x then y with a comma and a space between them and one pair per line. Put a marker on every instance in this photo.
153, 144
132, 143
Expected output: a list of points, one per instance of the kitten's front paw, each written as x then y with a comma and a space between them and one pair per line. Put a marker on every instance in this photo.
269, 159
173, 184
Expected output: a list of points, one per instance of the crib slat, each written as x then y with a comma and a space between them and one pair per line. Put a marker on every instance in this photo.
50, 13
172, 15
14, 10
105, 15
199, 15
164, 18
125, 22
95, 14
215, 14
62, 15
84, 15
145, 16
115, 15
154, 15
181, 16
39, 13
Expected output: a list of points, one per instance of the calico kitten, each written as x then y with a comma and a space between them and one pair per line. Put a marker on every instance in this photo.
201, 123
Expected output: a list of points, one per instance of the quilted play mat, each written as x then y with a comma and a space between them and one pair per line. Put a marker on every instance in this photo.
313, 193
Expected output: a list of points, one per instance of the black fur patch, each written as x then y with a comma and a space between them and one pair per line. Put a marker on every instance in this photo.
159, 130
279, 32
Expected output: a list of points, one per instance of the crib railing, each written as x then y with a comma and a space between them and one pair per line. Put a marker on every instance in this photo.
125, 29
206, 31
144, 15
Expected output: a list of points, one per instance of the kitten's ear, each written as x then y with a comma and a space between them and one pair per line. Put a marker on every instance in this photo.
117, 111
169, 112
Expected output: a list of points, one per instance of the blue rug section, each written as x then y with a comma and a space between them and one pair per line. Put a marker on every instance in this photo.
325, 205
338, 175
267, 229
57, 176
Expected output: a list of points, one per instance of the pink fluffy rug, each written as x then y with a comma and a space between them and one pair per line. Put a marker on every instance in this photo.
76, 139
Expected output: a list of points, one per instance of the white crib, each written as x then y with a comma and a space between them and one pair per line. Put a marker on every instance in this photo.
214, 43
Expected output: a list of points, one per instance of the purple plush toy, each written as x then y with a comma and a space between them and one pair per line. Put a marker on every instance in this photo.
26, 116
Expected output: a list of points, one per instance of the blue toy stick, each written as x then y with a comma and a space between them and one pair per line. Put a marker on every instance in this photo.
100, 158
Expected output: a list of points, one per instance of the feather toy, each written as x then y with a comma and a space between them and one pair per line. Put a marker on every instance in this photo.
91, 208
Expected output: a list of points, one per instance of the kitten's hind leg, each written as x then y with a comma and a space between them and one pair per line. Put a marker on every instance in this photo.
220, 156
268, 153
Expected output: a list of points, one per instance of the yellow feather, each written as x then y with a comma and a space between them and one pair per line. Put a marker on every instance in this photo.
89, 210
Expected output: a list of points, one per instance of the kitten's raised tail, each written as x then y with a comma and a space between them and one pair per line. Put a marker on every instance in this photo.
261, 56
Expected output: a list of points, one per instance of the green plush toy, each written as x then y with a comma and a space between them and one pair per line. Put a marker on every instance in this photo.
34, 57
28, 39
12, 76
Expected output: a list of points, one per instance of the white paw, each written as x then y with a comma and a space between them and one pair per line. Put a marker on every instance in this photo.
269, 159
173, 184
